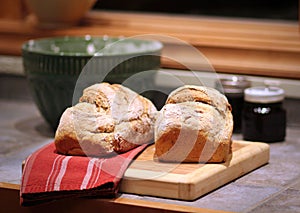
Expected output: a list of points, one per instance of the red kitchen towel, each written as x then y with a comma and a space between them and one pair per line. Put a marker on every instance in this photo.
49, 176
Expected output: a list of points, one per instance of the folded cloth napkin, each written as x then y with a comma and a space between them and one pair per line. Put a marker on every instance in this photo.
48, 175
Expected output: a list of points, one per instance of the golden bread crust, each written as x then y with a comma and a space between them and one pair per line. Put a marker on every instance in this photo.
195, 125
109, 118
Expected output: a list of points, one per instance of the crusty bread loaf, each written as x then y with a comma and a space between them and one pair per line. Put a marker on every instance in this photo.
195, 125
109, 118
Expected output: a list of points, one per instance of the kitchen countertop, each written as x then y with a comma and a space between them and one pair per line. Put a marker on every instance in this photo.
274, 187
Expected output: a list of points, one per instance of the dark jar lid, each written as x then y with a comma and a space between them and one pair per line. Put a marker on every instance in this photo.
263, 94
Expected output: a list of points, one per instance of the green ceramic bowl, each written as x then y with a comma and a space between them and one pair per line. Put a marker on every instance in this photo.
53, 66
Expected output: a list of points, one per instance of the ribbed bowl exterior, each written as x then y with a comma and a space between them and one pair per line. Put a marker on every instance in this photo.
52, 78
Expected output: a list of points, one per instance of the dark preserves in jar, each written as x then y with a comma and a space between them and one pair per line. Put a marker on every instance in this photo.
264, 118
233, 88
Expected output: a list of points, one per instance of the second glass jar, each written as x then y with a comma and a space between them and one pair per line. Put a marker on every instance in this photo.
263, 117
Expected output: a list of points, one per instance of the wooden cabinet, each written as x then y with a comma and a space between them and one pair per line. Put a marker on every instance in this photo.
252, 47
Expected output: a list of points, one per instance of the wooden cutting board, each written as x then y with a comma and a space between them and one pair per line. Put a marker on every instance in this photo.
188, 181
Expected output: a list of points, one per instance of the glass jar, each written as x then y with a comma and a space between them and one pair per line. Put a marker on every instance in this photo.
233, 88
263, 117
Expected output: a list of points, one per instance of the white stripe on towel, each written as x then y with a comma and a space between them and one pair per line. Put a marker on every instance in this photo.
88, 174
61, 173
53, 172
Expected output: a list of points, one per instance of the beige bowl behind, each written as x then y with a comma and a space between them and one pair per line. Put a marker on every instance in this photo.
58, 13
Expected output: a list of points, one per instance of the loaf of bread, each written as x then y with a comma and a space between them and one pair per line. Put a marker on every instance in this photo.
109, 118
195, 125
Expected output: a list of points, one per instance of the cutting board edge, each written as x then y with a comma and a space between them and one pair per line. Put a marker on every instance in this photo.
176, 188
249, 149
260, 158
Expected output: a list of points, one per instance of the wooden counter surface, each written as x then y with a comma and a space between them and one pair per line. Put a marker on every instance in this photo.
264, 48
9, 196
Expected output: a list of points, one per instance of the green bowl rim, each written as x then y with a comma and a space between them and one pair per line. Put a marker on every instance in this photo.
26, 44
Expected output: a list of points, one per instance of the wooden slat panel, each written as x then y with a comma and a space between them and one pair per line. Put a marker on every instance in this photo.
251, 47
